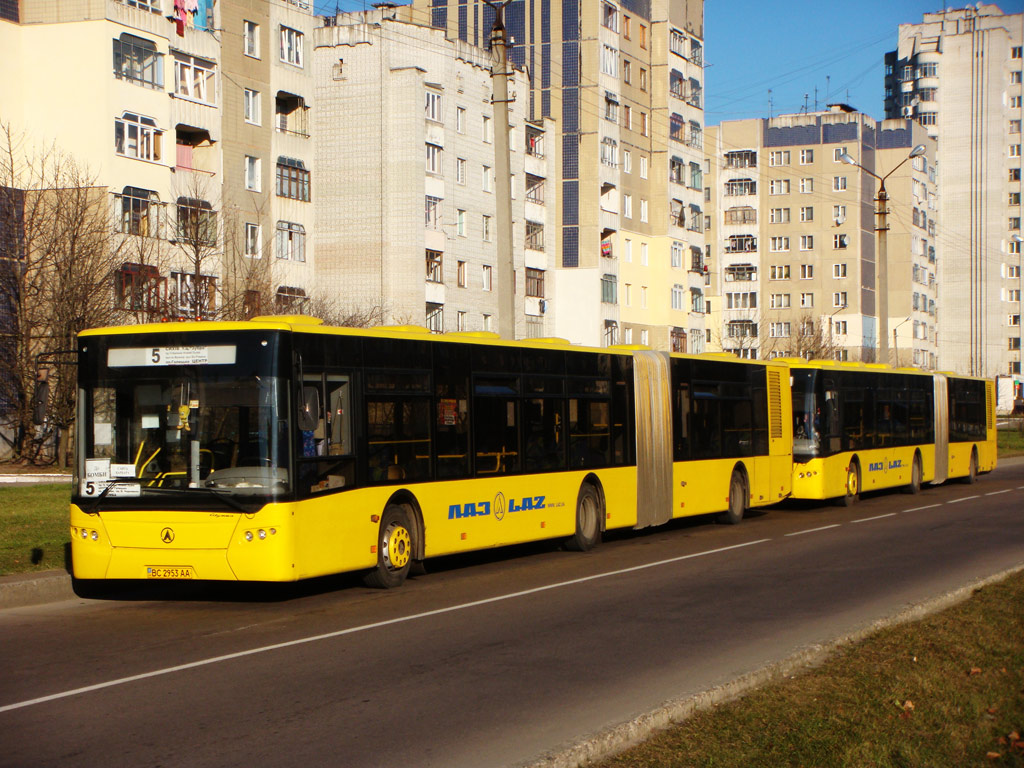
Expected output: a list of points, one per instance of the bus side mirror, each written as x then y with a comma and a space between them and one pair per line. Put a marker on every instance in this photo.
309, 413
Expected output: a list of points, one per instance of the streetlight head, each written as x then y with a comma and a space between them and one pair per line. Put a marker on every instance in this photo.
847, 158
919, 150
1017, 238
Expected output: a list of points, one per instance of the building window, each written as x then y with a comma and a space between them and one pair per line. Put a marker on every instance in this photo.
806, 156
460, 223
251, 106
778, 157
139, 287
252, 241
839, 299
197, 222
195, 79
609, 61
611, 107
486, 228
838, 183
778, 187
677, 42
488, 179
290, 241
292, 179
194, 296
435, 317
434, 273
434, 158
460, 119
487, 133
806, 300
778, 216
291, 46
534, 236
487, 277
806, 186
608, 151
643, 166
432, 212
806, 271
643, 212
609, 289
779, 245
839, 242
779, 330
137, 60
460, 274
251, 39
839, 270
253, 176
807, 213
137, 137
806, 242
433, 107
140, 212
779, 272
535, 283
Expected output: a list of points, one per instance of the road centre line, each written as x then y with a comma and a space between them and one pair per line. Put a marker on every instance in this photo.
965, 498
814, 530
363, 628
996, 493
876, 517
918, 509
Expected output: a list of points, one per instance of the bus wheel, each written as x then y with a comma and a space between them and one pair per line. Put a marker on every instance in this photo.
394, 549
588, 520
852, 485
972, 472
737, 500
914, 486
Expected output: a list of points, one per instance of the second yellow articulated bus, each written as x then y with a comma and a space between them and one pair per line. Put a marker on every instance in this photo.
863, 427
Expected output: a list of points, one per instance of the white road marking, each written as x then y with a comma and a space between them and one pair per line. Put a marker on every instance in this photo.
876, 517
965, 498
918, 509
996, 493
814, 530
363, 628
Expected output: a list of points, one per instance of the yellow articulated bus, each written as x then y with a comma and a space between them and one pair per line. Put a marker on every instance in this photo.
862, 427
281, 449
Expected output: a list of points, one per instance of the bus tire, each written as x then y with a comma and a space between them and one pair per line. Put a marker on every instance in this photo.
914, 486
737, 500
972, 473
588, 520
395, 547
852, 495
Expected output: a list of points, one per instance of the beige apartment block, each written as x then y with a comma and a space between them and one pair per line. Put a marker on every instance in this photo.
958, 75
406, 199
792, 243
158, 112
620, 85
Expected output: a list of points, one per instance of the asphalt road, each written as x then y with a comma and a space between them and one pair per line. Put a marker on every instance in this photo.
489, 660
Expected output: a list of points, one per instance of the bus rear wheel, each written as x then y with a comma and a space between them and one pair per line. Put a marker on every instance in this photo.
588, 520
914, 487
394, 549
737, 500
852, 494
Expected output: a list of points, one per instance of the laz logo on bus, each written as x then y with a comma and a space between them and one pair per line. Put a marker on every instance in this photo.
498, 506
879, 466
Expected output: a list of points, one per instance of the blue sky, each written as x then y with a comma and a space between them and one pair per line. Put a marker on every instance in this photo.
751, 46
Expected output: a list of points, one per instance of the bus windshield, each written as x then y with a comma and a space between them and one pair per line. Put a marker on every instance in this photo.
166, 419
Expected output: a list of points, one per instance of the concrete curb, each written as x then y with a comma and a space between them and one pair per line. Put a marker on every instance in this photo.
615, 739
35, 477
24, 589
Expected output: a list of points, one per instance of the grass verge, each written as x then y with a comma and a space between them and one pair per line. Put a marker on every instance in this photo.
33, 527
1010, 442
944, 691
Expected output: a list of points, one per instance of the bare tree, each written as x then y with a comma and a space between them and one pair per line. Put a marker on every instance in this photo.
58, 256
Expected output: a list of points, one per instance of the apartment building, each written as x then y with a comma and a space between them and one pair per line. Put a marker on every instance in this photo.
621, 83
958, 75
406, 195
165, 107
792, 241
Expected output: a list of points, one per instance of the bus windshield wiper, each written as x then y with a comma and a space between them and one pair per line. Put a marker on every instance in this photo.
227, 499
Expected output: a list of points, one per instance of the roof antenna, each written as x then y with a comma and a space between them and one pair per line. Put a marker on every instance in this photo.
770, 113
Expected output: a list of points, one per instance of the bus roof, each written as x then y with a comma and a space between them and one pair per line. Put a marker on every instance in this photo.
313, 325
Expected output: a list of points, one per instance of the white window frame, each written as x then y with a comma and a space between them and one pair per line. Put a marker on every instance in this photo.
292, 41
251, 39
251, 106
806, 242
487, 277
253, 174
137, 137
195, 79
433, 106
253, 236
434, 158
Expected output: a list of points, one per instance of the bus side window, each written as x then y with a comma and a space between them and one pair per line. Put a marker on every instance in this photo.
339, 409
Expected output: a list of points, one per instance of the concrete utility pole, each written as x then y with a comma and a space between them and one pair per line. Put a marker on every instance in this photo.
503, 175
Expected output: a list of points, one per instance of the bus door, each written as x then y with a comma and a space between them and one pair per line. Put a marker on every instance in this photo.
325, 455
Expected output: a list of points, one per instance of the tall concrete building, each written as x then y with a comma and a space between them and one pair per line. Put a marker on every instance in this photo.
407, 194
185, 112
792, 242
622, 83
958, 74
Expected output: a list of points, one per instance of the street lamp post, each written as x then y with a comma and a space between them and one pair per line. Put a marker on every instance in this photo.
1020, 303
881, 258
